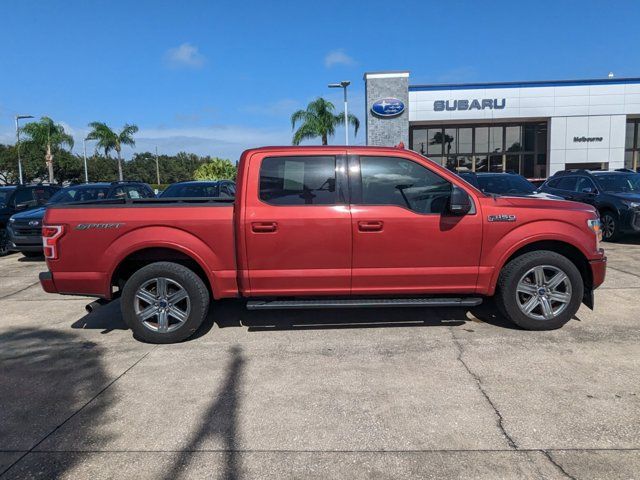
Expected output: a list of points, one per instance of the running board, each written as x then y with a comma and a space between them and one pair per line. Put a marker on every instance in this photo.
363, 303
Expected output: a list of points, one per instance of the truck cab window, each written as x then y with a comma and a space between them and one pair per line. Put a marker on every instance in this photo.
396, 181
298, 180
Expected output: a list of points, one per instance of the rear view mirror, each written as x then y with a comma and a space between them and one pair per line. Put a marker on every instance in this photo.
460, 202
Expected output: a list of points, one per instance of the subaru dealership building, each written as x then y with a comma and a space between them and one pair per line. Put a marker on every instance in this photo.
534, 128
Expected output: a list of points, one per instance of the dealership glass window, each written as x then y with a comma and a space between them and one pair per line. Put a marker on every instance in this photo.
632, 144
396, 181
465, 140
521, 148
420, 140
512, 139
298, 180
434, 141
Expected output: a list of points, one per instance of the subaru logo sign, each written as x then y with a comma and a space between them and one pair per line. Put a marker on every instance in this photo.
388, 107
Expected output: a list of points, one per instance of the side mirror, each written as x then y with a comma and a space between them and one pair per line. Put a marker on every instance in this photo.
21, 206
460, 202
589, 191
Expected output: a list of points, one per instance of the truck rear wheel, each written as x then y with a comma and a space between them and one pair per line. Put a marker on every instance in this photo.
164, 302
540, 290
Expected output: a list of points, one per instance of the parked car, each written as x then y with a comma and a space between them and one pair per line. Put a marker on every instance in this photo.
503, 184
200, 188
24, 229
20, 198
328, 227
615, 194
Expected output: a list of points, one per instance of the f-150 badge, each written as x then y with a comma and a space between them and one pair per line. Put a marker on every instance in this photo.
502, 218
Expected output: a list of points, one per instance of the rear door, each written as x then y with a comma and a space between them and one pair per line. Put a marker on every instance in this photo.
297, 225
404, 241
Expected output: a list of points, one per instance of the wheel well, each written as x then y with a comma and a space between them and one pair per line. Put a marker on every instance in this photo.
565, 249
141, 258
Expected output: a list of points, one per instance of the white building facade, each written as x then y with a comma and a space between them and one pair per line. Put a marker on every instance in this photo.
532, 128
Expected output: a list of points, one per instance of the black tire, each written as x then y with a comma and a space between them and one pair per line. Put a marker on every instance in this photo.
509, 298
610, 226
175, 276
4, 242
33, 254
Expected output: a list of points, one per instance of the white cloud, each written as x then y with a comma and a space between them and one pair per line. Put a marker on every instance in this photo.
185, 55
338, 57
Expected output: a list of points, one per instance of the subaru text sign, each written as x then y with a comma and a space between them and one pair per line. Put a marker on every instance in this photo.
450, 105
388, 107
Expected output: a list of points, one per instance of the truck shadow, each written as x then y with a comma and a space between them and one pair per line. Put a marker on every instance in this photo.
233, 313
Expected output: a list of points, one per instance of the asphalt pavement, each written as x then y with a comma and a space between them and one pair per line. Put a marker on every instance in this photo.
389, 393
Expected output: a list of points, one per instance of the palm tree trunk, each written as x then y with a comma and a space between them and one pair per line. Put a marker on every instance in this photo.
49, 159
120, 177
324, 139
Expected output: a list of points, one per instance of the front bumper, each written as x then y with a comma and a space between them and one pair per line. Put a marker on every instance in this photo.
24, 243
598, 271
46, 280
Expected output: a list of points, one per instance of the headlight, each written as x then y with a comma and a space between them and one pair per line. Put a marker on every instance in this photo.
631, 204
596, 227
12, 220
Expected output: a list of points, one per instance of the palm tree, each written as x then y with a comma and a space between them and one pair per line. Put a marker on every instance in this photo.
109, 140
50, 136
318, 120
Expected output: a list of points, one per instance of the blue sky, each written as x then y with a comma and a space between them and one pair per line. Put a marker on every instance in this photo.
216, 77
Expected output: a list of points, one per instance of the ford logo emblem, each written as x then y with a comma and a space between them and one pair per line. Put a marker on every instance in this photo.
388, 107
34, 223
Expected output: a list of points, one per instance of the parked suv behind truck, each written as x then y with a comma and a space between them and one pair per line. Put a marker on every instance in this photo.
328, 227
20, 198
615, 194
25, 229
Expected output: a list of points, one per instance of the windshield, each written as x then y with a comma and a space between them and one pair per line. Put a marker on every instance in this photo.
79, 194
505, 184
5, 192
191, 190
620, 182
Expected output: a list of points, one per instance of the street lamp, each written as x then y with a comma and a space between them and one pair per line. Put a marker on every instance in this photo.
19, 117
344, 84
84, 154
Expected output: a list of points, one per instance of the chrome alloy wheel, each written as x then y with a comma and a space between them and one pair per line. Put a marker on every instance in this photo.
544, 292
162, 305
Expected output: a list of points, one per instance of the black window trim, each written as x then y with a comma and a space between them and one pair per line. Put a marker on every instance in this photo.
355, 185
342, 185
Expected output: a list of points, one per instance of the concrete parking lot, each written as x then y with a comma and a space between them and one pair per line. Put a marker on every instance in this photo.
397, 393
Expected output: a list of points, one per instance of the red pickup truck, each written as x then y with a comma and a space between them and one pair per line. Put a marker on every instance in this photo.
328, 227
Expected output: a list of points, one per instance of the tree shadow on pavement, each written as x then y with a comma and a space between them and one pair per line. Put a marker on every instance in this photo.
46, 377
220, 421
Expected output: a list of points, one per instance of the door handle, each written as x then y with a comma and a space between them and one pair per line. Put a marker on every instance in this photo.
370, 226
264, 227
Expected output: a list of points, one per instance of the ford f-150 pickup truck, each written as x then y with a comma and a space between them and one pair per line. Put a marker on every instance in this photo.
327, 227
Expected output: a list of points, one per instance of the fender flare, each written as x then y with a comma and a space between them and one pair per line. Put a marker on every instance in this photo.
164, 237
562, 234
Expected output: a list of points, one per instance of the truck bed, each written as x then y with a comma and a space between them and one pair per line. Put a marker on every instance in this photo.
100, 235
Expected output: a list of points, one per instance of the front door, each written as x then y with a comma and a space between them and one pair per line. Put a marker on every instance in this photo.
298, 226
404, 241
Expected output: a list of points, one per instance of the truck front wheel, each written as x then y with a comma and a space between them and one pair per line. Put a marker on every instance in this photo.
164, 302
540, 290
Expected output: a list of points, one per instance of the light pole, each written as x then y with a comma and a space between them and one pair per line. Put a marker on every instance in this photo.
344, 84
19, 117
84, 154
157, 168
